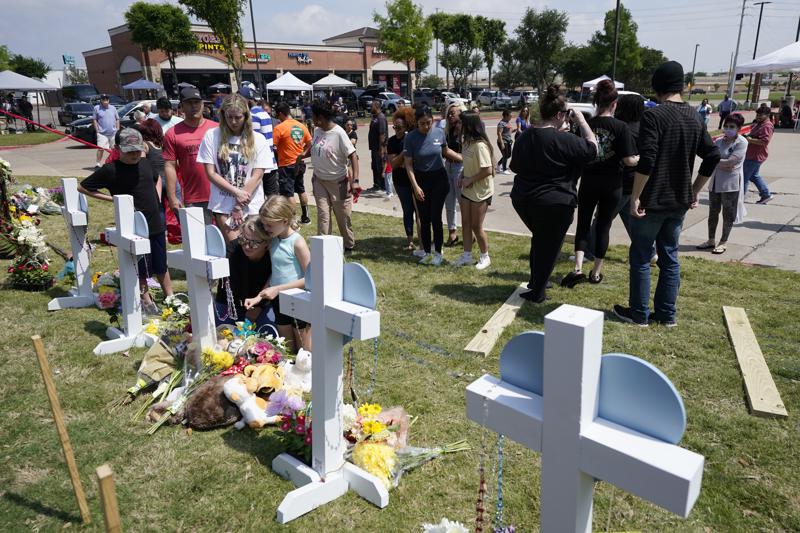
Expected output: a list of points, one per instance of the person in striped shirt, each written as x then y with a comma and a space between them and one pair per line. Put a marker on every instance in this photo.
262, 123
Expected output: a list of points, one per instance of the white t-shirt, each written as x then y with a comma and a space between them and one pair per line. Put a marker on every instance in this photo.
236, 170
329, 152
166, 125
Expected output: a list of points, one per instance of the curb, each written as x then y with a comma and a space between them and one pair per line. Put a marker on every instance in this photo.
17, 147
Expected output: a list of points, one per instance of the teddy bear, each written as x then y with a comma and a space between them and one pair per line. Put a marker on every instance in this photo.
245, 391
297, 375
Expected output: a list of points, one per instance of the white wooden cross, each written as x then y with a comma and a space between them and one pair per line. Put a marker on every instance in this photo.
620, 424
204, 260
131, 237
76, 216
331, 318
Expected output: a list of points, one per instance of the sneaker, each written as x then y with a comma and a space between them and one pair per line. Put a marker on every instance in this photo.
667, 323
150, 308
626, 315
763, 200
419, 252
483, 262
426, 259
98, 165
464, 260
437, 259
389, 194
305, 220
506, 171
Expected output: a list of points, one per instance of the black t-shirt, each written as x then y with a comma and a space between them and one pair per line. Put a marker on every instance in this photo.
614, 142
138, 180
454, 140
628, 173
394, 146
547, 164
247, 277
377, 126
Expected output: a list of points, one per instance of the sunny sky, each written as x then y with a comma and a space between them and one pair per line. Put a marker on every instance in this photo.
38, 28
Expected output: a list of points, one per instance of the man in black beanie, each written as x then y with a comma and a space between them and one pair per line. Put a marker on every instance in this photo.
670, 136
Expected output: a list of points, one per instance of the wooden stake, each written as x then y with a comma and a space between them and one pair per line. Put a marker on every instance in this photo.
484, 341
58, 417
108, 496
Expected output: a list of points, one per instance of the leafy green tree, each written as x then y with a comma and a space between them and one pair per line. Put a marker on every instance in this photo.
420, 66
4, 58
404, 33
493, 35
432, 81
641, 80
578, 64
223, 17
541, 40
441, 31
75, 75
463, 37
28, 66
161, 27
629, 59
510, 73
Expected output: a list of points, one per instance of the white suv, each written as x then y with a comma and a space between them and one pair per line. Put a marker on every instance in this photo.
520, 98
495, 99
390, 101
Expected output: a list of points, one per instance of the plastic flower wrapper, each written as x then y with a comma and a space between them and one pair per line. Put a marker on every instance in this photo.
377, 458
445, 526
411, 457
285, 404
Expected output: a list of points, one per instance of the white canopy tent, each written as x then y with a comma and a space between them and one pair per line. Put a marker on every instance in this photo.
782, 60
11, 81
332, 81
591, 84
288, 82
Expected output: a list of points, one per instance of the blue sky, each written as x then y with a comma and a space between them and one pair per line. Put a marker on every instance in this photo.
40, 29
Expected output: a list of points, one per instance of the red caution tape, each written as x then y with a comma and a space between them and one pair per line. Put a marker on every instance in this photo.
12, 115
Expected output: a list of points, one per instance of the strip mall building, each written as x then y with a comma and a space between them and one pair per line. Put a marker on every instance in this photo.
354, 55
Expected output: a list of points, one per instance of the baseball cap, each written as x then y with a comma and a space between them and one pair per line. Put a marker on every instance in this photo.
190, 93
130, 140
104, 97
247, 92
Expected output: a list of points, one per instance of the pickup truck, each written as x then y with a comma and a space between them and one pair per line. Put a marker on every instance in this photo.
453, 98
495, 99
589, 110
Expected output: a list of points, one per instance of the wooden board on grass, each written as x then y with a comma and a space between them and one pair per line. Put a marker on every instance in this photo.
762, 394
486, 338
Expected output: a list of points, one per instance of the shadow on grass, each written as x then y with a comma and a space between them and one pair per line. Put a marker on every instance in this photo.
96, 328
264, 445
57, 291
40, 508
380, 250
473, 294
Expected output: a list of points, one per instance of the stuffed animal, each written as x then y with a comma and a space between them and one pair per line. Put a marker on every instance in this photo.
263, 379
208, 407
297, 375
252, 407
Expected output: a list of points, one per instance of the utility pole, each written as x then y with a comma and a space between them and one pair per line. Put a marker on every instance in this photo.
255, 49
755, 48
616, 45
789, 85
732, 81
694, 62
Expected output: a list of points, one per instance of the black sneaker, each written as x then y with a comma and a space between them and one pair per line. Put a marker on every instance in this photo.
764, 199
305, 220
626, 315
667, 323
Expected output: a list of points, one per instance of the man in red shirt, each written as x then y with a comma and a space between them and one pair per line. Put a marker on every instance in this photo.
181, 144
758, 139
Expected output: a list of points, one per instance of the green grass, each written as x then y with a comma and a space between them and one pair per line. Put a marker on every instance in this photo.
38, 137
221, 480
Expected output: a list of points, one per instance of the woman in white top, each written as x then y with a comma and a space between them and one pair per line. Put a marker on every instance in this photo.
235, 159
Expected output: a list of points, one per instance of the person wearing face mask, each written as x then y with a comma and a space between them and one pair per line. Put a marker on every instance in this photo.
758, 140
726, 186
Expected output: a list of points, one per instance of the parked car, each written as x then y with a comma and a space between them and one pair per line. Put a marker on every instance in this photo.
73, 111
113, 99
368, 94
79, 93
84, 128
520, 98
495, 99
589, 110
453, 98
390, 101
426, 97
698, 90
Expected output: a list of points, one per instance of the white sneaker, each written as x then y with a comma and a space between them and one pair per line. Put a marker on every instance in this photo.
483, 262
464, 260
437, 259
506, 171
419, 252
425, 259
389, 194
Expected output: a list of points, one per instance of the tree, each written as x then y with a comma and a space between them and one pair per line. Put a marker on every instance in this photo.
28, 66
161, 27
432, 81
541, 40
493, 35
578, 64
420, 65
641, 81
509, 75
222, 16
629, 59
404, 33
73, 75
441, 31
463, 35
4, 59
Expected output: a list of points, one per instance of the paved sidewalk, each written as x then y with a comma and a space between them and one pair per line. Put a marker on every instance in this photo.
770, 234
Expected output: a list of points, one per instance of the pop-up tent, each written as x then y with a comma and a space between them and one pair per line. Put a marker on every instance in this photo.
592, 83
11, 81
142, 85
786, 58
332, 81
288, 82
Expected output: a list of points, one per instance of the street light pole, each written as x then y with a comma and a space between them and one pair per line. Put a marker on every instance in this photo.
732, 81
694, 63
616, 46
755, 48
789, 85
255, 49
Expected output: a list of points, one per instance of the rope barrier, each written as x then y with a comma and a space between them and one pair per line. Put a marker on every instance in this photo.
51, 130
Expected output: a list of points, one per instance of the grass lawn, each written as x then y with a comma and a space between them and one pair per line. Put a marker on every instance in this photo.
38, 137
221, 480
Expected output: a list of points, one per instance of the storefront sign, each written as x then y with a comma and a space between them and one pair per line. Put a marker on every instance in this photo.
378, 52
208, 42
261, 58
302, 57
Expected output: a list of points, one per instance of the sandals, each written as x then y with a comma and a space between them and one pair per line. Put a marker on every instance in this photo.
595, 279
572, 279
719, 249
705, 246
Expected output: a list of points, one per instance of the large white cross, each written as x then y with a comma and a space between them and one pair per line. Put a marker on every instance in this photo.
331, 318
76, 216
131, 237
204, 260
563, 418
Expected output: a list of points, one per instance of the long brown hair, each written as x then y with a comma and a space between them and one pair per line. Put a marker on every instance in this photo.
234, 102
472, 130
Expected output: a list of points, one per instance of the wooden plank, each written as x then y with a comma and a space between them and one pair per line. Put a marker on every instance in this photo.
108, 497
61, 427
486, 338
762, 394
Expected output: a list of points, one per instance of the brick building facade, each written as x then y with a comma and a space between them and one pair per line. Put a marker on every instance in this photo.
353, 55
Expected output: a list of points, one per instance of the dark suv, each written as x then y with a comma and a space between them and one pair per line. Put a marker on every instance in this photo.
79, 93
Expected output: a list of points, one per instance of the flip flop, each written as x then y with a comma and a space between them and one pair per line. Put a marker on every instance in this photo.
572, 279
719, 249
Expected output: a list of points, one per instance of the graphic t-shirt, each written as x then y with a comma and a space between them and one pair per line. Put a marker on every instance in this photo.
236, 169
477, 156
504, 128
394, 146
181, 144
138, 180
425, 150
614, 142
329, 152
290, 138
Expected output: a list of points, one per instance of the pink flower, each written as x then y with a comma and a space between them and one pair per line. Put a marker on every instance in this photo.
286, 425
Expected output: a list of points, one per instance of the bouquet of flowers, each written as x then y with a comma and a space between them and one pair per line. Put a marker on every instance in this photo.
31, 268
107, 294
250, 347
34, 200
30, 274
295, 423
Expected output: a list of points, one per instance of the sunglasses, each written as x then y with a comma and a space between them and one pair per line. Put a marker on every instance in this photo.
249, 243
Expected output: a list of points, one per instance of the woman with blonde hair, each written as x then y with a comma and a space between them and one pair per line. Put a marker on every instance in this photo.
235, 160
452, 132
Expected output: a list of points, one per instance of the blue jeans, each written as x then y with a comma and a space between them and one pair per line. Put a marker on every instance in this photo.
453, 174
751, 169
663, 228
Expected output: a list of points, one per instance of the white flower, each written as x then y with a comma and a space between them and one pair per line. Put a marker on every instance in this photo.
445, 526
183, 309
349, 415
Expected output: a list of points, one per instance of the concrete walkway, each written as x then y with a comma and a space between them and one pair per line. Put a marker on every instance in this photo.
770, 234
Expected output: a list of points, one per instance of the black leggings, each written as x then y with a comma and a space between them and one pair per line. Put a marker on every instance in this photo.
505, 154
606, 201
435, 186
548, 225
